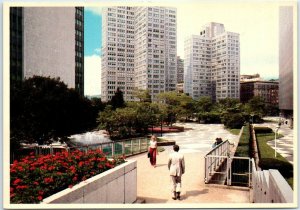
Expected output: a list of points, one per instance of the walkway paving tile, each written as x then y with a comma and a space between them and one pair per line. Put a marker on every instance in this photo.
154, 183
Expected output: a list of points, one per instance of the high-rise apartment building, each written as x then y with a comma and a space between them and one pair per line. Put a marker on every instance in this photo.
117, 69
180, 69
212, 63
155, 49
139, 50
47, 41
286, 61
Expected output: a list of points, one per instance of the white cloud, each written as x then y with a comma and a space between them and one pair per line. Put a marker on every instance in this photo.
94, 10
97, 51
92, 75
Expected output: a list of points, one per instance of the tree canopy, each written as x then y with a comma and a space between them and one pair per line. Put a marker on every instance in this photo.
45, 109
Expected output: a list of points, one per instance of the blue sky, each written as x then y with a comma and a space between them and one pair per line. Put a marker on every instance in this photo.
92, 50
92, 33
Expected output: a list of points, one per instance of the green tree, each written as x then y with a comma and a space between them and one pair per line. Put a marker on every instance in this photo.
117, 101
257, 106
142, 95
45, 109
178, 105
204, 104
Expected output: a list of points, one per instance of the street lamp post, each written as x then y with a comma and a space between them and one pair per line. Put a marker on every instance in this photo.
252, 118
276, 130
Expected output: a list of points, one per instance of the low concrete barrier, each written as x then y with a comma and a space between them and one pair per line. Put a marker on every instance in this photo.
117, 185
269, 186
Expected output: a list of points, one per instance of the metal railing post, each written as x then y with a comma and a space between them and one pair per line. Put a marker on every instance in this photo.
123, 148
249, 184
113, 149
139, 145
228, 171
206, 170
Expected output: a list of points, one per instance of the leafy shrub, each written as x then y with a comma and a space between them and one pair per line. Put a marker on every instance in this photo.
233, 120
36, 177
284, 167
210, 117
242, 149
263, 130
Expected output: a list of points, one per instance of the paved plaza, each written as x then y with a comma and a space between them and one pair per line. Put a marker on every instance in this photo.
195, 142
154, 183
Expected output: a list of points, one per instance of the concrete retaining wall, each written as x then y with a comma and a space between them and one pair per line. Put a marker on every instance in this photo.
269, 186
117, 185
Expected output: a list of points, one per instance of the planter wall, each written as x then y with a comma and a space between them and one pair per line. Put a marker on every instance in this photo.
117, 185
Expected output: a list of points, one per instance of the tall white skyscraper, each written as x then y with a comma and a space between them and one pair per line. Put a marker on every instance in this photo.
139, 50
117, 52
212, 63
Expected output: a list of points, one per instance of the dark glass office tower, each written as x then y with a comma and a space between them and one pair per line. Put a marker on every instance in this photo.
79, 47
16, 44
48, 41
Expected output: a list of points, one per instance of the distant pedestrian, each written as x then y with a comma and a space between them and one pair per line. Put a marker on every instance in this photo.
217, 142
153, 150
176, 167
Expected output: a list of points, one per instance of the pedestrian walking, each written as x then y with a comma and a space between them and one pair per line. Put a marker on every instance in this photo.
176, 167
153, 150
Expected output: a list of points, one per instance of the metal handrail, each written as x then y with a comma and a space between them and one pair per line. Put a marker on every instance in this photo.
115, 148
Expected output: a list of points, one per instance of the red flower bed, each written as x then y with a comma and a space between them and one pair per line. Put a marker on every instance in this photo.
37, 177
165, 129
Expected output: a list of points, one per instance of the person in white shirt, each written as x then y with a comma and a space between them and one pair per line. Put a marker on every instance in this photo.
153, 150
176, 167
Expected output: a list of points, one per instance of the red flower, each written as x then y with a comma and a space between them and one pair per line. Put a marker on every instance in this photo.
80, 164
22, 187
70, 186
17, 181
48, 180
35, 183
40, 198
12, 195
73, 169
51, 168
75, 178
41, 192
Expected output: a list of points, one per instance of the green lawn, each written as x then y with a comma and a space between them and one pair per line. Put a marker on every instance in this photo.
234, 131
268, 160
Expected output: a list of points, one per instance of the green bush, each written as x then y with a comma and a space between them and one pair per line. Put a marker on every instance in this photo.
233, 120
242, 149
210, 117
263, 130
284, 167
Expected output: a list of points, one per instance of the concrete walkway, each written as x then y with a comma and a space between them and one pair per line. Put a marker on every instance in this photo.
153, 184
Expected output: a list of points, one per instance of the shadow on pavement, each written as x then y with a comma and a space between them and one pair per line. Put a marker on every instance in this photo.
160, 165
193, 193
154, 200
